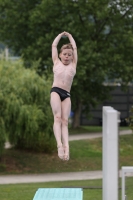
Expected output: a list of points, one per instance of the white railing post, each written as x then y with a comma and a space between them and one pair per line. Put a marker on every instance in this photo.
110, 153
125, 169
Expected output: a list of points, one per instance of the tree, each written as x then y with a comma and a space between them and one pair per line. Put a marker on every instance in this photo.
102, 30
25, 113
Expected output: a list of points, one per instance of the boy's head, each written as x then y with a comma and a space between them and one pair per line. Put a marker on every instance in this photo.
66, 46
66, 54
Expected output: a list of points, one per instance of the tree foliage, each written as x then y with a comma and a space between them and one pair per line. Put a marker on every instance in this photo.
25, 113
103, 31
130, 119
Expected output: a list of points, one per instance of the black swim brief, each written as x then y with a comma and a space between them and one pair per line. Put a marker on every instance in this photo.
62, 93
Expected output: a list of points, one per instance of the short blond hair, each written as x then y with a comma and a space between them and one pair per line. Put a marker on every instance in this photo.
66, 46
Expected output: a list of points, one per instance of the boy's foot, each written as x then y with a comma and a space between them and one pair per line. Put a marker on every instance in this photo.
61, 152
66, 153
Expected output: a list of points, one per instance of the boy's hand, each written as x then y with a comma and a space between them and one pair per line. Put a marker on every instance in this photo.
65, 34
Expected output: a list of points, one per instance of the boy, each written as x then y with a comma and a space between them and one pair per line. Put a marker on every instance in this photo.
64, 70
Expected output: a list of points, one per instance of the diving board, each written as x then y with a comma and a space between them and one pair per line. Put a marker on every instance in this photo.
59, 194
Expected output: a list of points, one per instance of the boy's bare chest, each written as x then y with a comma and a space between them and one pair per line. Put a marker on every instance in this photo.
64, 69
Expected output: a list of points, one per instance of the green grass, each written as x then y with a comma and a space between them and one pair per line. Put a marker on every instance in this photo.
85, 155
27, 191
91, 129
85, 129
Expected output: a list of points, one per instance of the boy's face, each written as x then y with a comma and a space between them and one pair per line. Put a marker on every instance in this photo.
66, 56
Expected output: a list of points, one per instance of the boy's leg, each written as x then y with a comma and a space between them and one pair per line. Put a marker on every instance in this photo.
65, 112
56, 108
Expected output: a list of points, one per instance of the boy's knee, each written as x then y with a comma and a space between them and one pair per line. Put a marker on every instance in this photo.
65, 122
57, 119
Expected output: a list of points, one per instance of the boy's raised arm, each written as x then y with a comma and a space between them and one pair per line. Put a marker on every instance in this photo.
73, 43
54, 47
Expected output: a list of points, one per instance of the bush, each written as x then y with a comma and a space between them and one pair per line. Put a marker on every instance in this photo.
25, 113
